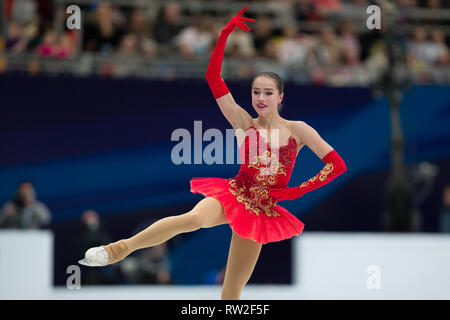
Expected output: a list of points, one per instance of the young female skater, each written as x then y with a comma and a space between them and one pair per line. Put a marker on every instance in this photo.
247, 202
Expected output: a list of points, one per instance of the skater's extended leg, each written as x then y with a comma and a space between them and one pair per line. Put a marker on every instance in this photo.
207, 213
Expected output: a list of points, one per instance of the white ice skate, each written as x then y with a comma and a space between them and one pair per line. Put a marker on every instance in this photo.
95, 257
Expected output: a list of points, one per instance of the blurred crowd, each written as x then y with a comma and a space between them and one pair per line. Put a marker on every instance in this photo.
170, 31
24, 211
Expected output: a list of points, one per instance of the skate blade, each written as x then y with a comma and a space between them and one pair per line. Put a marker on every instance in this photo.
84, 262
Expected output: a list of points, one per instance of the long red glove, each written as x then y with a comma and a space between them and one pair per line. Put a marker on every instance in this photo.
213, 77
334, 166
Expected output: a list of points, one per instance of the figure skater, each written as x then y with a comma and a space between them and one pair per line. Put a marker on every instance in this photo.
247, 202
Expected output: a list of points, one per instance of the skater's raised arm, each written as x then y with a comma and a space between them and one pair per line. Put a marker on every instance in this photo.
236, 116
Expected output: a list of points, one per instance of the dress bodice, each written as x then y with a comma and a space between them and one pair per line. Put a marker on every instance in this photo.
262, 168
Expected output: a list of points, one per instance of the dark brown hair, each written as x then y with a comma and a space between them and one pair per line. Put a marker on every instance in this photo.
278, 82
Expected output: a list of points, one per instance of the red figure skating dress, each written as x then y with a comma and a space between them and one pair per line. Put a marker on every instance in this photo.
249, 209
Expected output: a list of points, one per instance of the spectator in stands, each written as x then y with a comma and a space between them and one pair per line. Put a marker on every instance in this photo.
262, 34
48, 47
168, 24
438, 48
24, 211
126, 60
142, 28
350, 44
328, 50
16, 41
154, 265
271, 50
52, 46
149, 48
150, 266
23, 11
103, 34
128, 45
67, 46
303, 10
444, 214
195, 40
326, 8
294, 47
92, 232
419, 53
140, 25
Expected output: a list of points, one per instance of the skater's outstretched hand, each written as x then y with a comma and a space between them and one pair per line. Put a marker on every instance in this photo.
238, 21
213, 73
286, 193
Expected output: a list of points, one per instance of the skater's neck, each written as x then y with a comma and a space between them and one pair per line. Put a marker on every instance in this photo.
271, 121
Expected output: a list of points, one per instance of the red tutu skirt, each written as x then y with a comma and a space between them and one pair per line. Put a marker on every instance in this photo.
261, 228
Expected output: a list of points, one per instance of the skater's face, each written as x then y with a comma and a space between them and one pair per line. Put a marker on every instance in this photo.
265, 96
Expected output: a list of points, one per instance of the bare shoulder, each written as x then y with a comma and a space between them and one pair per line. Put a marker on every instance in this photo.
247, 122
240, 129
244, 122
298, 129
311, 138
298, 124
238, 117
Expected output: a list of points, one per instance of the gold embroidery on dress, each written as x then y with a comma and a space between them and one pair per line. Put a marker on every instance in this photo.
255, 202
268, 166
322, 175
